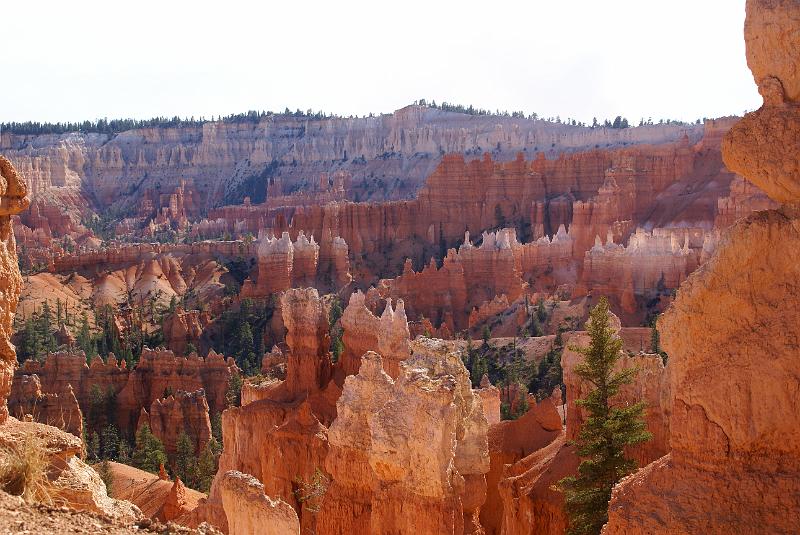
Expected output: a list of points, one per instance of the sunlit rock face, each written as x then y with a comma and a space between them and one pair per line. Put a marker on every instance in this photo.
732, 335
13, 200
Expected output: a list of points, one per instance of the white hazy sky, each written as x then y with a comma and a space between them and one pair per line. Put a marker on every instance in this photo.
75, 60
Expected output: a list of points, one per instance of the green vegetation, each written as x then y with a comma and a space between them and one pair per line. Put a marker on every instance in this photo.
243, 334
149, 453
606, 432
233, 394
336, 332
114, 126
104, 471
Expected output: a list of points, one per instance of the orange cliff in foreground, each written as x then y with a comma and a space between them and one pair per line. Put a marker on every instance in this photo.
732, 339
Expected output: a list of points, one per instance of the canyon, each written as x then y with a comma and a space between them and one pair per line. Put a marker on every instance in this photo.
381, 318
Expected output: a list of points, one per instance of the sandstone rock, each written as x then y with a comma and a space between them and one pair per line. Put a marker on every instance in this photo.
363, 331
773, 45
181, 329
734, 430
407, 455
180, 412
490, 399
727, 438
308, 366
175, 505
13, 200
531, 506
250, 511
70, 481
59, 410
763, 146
509, 442
160, 371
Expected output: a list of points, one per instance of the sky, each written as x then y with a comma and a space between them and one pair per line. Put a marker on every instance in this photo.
85, 59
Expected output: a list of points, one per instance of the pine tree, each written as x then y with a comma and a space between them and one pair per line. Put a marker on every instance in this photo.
207, 465
94, 447
149, 453
110, 442
104, 471
607, 430
233, 394
185, 460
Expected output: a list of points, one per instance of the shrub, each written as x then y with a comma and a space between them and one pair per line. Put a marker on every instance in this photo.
23, 470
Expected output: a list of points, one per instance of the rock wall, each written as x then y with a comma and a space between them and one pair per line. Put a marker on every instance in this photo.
510, 441
180, 412
13, 200
363, 331
59, 410
219, 157
249, 510
735, 462
407, 456
158, 372
284, 264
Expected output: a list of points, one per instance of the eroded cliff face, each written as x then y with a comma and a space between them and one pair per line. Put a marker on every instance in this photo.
735, 462
249, 510
218, 158
65, 375
185, 412
13, 200
407, 455
59, 410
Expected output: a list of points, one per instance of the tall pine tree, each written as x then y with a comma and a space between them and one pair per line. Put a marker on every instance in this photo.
607, 430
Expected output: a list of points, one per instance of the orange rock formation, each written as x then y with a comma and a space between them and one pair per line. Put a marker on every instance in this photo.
13, 200
735, 464
180, 412
249, 510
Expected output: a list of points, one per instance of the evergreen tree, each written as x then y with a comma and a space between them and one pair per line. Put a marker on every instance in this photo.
606, 432
233, 394
124, 453
207, 465
185, 460
149, 453
94, 446
216, 427
104, 471
110, 442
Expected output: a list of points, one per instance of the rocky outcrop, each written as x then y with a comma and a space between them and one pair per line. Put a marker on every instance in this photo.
308, 367
762, 147
250, 511
284, 264
734, 425
70, 481
218, 158
184, 327
158, 373
730, 436
157, 497
59, 410
651, 262
13, 200
408, 455
509, 442
531, 504
363, 331
182, 412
